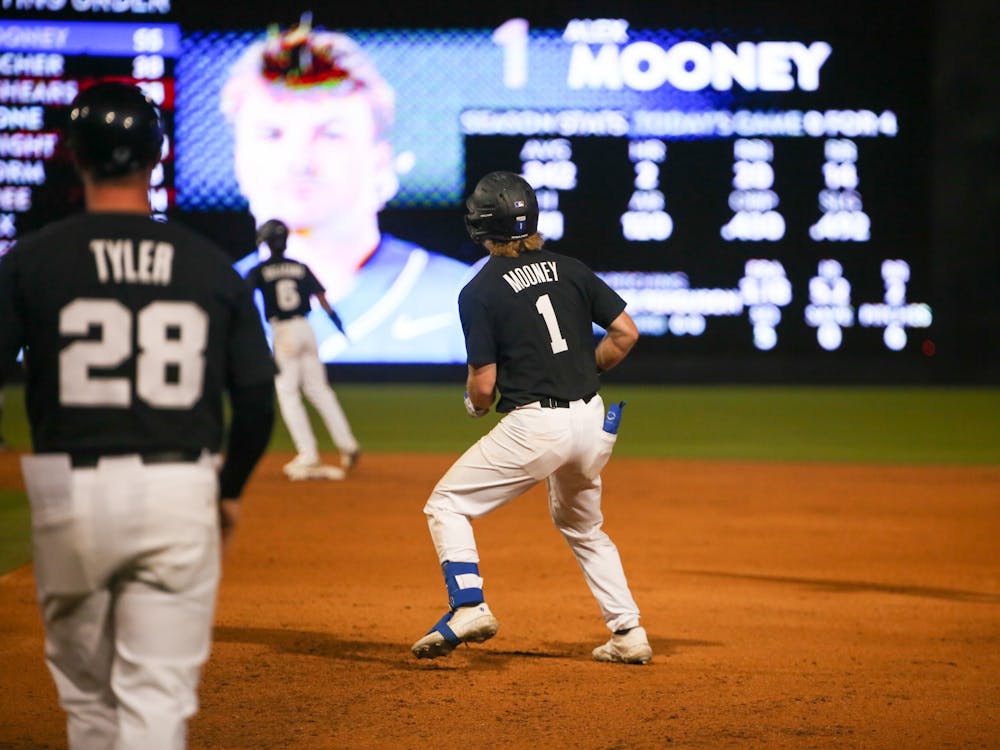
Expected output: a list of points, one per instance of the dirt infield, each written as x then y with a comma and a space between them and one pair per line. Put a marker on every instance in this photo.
789, 606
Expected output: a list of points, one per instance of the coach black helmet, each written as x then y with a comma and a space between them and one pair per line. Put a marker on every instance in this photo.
502, 207
114, 130
275, 233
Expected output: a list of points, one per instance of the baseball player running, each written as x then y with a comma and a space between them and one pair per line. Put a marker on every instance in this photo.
528, 320
288, 286
132, 330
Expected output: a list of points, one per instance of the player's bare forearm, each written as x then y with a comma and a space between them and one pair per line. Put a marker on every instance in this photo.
617, 342
481, 385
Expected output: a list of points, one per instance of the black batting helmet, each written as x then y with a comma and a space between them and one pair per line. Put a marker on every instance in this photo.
275, 233
114, 130
502, 207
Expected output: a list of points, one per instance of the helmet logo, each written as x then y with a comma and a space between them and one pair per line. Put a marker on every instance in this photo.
502, 207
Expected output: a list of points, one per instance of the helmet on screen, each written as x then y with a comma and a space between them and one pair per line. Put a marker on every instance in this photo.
502, 207
275, 233
114, 130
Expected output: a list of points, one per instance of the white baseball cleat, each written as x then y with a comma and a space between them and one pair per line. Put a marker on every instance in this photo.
300, 461
471, 624
628, 648
349, 460
316, 472
302, 467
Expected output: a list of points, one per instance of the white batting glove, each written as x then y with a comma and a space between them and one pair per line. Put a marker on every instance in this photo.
473, 410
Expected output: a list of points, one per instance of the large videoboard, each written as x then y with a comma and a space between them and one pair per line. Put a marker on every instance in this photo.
746, 190
756, 188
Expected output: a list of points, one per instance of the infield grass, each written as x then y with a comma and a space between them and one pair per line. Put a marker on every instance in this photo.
880, 425
15, 530
770, 423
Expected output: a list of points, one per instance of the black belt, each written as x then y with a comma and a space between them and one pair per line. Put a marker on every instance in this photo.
558, 403
90, 460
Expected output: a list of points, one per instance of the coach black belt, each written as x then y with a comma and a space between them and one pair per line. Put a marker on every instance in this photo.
558, 403
89, 460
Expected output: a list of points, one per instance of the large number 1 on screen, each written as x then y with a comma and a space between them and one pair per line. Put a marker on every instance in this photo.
513, 37
544, 306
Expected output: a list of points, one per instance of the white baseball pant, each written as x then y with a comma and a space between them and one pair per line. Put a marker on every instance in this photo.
126, 563
568, 448
301, 371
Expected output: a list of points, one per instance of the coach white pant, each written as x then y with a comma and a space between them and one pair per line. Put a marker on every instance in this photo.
299, 367
568, 448
126, 560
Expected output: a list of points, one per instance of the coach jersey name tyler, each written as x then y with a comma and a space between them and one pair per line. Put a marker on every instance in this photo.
117, 261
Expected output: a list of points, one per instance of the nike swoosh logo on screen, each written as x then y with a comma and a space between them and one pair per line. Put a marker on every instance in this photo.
407, 327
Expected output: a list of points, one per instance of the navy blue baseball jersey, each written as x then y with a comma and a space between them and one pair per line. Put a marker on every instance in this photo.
132, 330
286, 286
401, 307
533, 317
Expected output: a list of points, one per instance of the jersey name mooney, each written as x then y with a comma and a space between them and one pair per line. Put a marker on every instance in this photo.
530, 274
118, 261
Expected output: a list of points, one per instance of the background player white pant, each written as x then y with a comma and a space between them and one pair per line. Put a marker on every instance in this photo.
568, 447
126, 562
300, 369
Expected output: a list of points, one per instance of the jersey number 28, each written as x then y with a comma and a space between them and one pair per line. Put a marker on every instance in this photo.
170, 339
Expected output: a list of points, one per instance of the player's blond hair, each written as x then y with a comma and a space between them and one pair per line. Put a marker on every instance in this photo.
513, 248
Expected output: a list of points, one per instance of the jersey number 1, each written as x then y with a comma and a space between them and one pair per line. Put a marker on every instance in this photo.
170, 337
544, 306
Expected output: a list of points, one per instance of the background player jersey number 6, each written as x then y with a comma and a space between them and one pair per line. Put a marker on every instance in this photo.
286, 294
170, 340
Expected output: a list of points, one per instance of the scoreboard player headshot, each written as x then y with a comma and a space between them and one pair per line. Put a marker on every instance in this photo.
311, 119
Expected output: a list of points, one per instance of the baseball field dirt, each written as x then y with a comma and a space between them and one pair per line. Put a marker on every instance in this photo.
788, 605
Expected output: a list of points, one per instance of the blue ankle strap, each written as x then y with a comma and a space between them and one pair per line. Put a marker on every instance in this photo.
457, 595
441, 626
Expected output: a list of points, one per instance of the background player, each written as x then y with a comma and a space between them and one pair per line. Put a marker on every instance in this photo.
132, 331
528, 320
288, 287
312, 118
